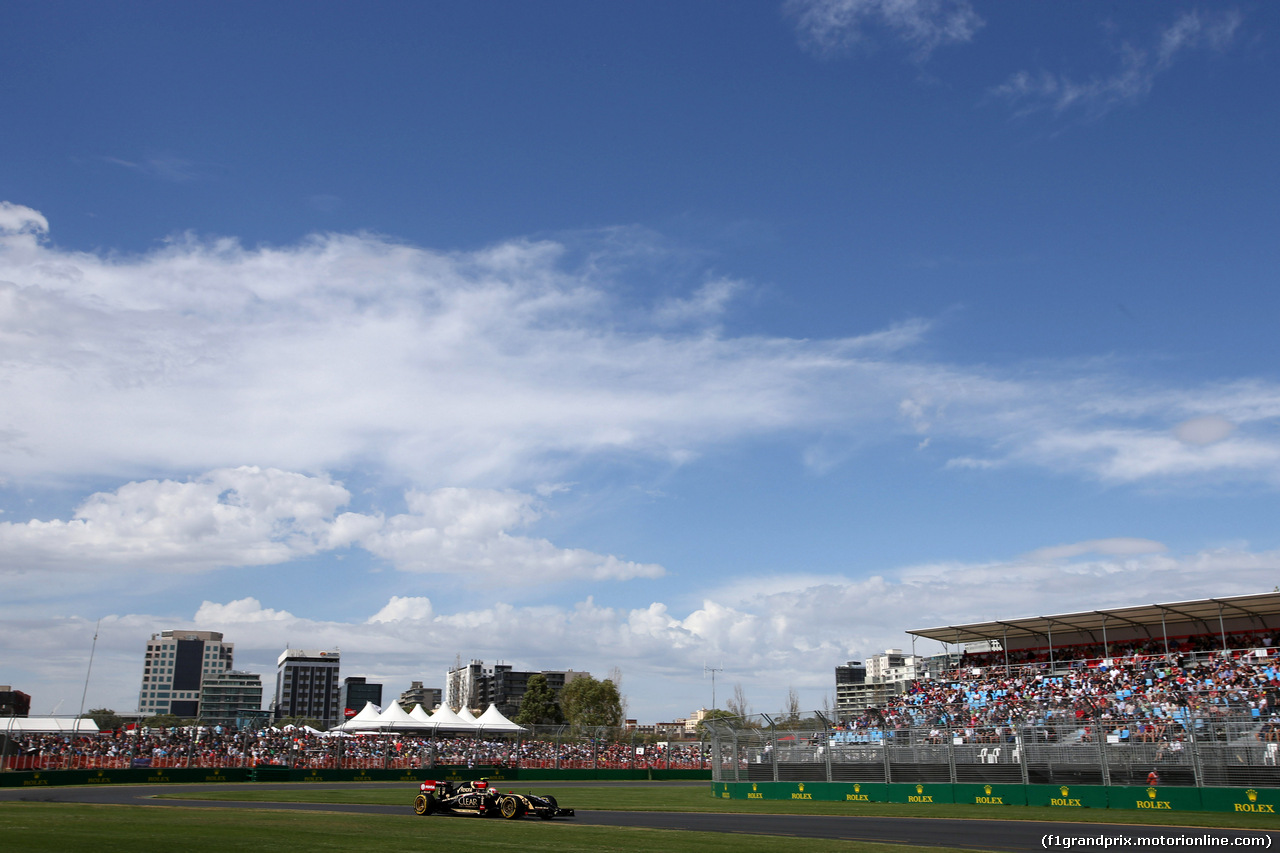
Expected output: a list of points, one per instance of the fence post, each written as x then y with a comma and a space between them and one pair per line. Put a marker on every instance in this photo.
1020, 738
951, 753
1197, 768
884, 749
1102, 751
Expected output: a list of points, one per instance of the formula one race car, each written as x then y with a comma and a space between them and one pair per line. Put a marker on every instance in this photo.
479, 798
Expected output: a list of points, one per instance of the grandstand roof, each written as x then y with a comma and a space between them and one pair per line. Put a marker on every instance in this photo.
1207, 611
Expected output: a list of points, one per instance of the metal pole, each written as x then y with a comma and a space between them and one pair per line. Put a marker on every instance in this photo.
1196, 767
1165, 631
1102, 749
93, 649
951, 754
1022, 741
1221, 628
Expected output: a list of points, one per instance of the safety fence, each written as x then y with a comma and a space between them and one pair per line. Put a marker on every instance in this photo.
1200, 751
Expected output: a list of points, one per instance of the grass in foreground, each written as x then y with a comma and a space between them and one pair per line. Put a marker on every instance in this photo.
699, 799
39, 827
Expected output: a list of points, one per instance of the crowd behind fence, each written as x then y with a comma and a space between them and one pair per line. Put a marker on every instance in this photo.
1195, 715
1233, 751
558, 748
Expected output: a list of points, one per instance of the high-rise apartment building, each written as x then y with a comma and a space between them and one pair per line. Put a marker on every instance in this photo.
307, 685
475, 687
175, 668
230, 698
428, 697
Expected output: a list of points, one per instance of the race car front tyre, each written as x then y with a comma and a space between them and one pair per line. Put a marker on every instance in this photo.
509, 808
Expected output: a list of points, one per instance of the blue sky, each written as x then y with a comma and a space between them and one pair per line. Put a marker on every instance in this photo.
626, 336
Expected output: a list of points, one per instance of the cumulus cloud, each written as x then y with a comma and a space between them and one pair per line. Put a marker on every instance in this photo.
466, 530
239, 612
243, 516
16, 219
251, 516
828, 27
769, 633
1139, 66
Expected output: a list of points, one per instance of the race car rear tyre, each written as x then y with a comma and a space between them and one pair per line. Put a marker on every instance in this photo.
424, 804
509, 808
554, 808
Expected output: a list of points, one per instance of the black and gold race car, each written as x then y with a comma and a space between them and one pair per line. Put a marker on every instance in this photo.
482, 799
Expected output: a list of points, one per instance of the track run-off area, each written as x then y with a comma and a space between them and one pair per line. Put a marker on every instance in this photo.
979, 834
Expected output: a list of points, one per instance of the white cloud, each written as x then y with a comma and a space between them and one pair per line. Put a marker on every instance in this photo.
243, 516
447, 369
240, 612
504, 367
706, 303
16, 219
400, 609
1133, 455
1133, 80
251, 517
828, 27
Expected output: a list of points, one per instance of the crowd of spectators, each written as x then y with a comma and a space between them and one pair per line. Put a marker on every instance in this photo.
218, 746
1132, 692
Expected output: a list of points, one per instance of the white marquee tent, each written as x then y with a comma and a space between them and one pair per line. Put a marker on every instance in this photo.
48, 725
396, 719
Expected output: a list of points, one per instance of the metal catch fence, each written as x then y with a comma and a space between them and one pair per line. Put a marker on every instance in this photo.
1197, 751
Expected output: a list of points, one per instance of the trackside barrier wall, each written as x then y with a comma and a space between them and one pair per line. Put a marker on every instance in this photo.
48, 778
924, 795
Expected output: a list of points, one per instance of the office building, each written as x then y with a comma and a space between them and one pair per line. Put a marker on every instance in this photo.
307, 686
14, 703
355, 693
175, 668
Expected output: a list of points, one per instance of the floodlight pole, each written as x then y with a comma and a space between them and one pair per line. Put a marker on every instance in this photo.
88, 672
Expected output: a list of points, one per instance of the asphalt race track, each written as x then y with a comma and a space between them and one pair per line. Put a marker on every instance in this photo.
1013, 835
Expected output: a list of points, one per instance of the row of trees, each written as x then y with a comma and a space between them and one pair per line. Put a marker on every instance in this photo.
583, 702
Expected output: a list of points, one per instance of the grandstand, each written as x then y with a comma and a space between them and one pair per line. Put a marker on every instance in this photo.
1186, 692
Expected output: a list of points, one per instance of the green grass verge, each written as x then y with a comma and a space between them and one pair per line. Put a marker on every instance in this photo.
683, 798
38, 827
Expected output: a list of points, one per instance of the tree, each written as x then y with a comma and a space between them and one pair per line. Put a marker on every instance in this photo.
106, 719
737, 706
587, 702
615, 675
538, 705
792, 713
713, 714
